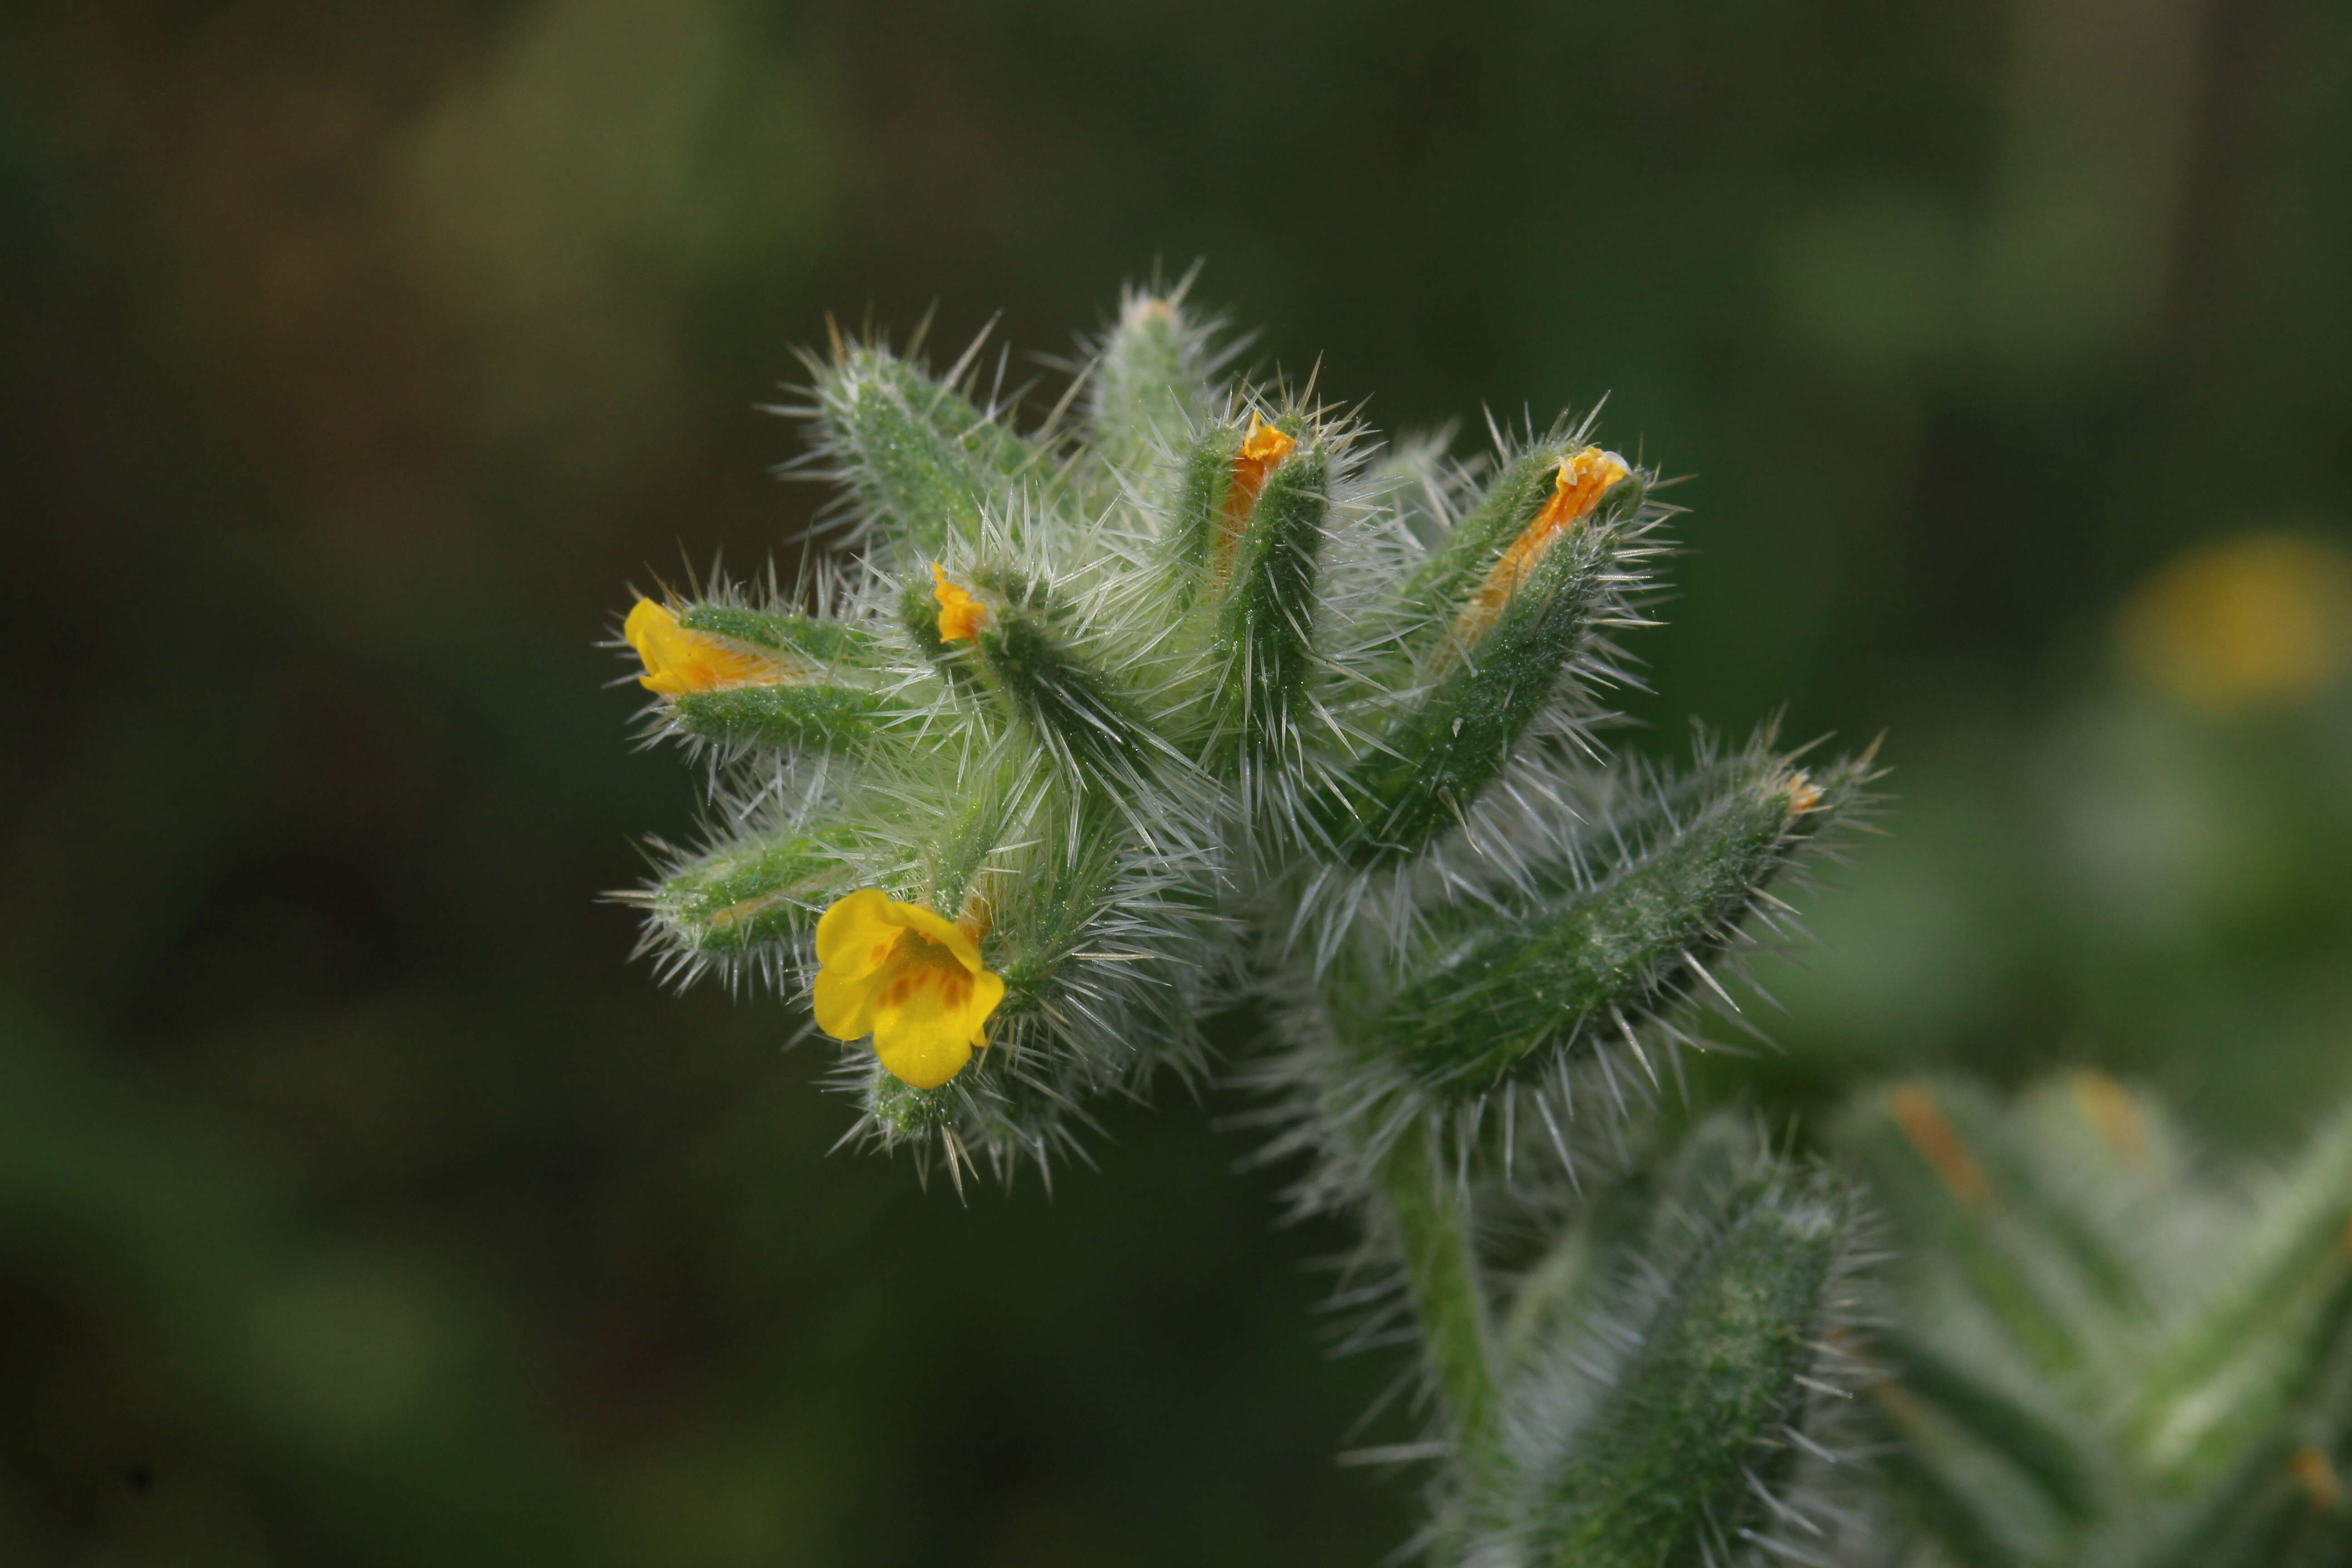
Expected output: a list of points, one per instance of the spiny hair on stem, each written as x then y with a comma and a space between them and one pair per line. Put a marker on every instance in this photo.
1470, 1001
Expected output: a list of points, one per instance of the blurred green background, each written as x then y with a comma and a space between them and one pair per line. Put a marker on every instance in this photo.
360, 1202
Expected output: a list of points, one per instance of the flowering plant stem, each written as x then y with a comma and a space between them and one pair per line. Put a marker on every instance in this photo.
1431, 1214
1202, 693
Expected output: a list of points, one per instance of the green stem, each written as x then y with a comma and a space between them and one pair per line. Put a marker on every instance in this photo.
1432, 1216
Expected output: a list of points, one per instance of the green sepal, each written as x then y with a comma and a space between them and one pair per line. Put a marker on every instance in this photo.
902, 1113
1056, 907
761, 890
1492, 1004
973, 836
1267, 617
792, 717
1580, 1271
1420, 777
1636, 1227
1150, 389
1203, 475
825, 642
1061, 899
1073, 705
1446, 581
1662, 1469
1024, 660
925, 461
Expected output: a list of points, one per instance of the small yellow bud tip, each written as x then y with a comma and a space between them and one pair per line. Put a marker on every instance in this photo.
1803, 794
1584, 477
910, 978
1265, 446
1262, 452
960, 615
679, 662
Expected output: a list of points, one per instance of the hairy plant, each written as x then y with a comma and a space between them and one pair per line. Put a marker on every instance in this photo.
1197, 694
2104, 1355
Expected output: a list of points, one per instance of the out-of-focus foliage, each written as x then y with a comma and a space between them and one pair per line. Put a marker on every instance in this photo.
2101, 1352
357, 1204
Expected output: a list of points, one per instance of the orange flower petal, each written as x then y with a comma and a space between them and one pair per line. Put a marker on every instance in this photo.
1584, 477
678, 661
1263, 450
843, 1006
938, 929
922, 1024
962, 616
857, 933
987, 991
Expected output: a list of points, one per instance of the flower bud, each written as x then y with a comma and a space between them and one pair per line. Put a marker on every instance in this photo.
1490, 1001
1534, 609
925, 461
1150, 388
1656, 1423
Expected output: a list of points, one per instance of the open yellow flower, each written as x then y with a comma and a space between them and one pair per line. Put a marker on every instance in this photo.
910, 978
678, 661
960, 615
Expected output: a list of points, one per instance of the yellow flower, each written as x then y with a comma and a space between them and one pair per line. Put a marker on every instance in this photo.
1584, 477
678, 661
909, 977
2262, 618
1263, 450
960, 614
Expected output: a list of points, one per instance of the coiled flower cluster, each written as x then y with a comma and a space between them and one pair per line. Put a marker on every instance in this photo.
1197, 698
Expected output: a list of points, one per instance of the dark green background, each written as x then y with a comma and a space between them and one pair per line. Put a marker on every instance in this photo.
361, 1203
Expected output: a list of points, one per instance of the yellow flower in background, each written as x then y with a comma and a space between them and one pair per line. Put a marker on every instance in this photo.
2264, 619
960, 614
910, 978
678, 661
